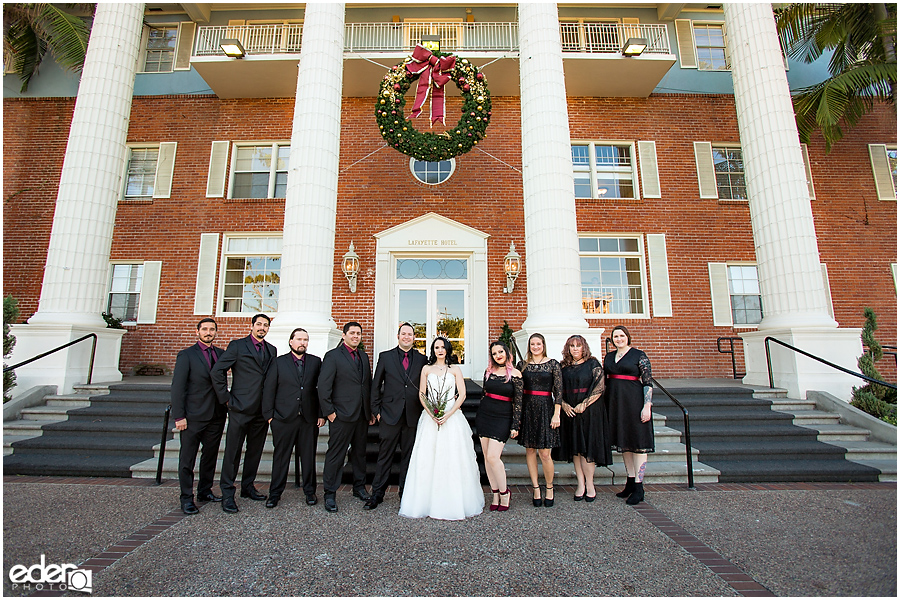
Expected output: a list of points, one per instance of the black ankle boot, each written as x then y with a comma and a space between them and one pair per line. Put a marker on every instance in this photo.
629, 487
637, 495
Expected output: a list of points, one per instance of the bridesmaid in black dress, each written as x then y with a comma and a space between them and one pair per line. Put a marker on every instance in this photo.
498, 418
584, 431
629, 391
540, 414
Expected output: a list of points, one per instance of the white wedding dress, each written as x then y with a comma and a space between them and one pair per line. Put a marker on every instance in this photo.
443, 480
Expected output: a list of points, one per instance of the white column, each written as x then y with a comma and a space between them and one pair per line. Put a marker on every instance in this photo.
791, 283
551, 232
310, 207
76, 274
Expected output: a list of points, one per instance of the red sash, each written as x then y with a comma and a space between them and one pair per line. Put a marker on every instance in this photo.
536, 393
628, 377
496, 397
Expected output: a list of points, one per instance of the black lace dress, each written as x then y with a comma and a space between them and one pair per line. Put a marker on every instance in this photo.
587, 433
500, 409
543, 390
625, 382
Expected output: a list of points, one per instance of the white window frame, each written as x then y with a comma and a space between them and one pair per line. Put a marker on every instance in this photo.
694, 25
728, 267
110, 291
744, 172
412, 164
593, 170
639, 254
273, 170
223, 269
132, 148
880, 161
145, 46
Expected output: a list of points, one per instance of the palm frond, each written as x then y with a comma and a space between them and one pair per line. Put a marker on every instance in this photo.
67, 36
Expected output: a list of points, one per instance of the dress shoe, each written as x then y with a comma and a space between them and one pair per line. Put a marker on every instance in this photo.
590, 498
311, 499
629, 487
495, 505
272, 502
537, 501
502, 507
362, 495
189, 508
548, 502
637, 496
330, 504
229, 505
372, 503
252, 494
208, 497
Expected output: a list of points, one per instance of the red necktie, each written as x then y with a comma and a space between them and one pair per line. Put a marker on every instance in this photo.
406, 361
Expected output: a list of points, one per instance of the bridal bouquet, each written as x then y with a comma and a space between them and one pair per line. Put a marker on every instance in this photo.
436, 400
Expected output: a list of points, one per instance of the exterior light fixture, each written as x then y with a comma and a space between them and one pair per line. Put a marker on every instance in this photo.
512, 264
232, 48
634, 46
432, 42
350, 267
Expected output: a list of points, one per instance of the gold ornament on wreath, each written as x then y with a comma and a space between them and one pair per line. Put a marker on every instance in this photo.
433, 70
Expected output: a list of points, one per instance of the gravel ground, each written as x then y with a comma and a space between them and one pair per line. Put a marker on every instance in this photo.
799, 543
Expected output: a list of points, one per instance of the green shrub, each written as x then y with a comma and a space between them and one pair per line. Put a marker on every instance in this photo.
10, 316
876, 400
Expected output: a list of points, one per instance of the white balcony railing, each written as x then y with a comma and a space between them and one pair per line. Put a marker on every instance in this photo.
456, 37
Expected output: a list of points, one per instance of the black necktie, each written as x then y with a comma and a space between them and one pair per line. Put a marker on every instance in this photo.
300, 370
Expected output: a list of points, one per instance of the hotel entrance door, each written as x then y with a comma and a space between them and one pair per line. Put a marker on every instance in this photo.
433, 310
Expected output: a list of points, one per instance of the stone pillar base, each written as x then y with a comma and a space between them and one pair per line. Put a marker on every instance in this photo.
67, 367
556, 340
797, 373
323, 333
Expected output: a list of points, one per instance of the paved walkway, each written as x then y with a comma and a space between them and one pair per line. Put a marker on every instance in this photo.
719, 540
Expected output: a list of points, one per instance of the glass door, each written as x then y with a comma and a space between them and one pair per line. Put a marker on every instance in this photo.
435, 309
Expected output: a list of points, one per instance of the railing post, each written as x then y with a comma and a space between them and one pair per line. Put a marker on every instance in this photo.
91, 365
162, 445
769, 363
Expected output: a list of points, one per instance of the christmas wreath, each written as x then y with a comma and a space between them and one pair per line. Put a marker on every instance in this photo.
433, 70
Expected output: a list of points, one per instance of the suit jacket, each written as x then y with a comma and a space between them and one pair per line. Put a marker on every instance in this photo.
193, 396
344, 389
248, 374
284, 395
393, 389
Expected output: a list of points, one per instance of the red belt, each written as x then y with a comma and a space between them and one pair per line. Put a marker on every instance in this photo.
536, 393
496, 397
628, 377
578, 391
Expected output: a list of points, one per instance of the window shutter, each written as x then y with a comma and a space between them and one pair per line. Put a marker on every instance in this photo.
218, 165
894, 274
659, 275
706, 171
687, 53
721, 297
184, 46
205, 289
149, 292
165, 165
649, 170
142, 55
884, 183
809, 181
727, 51
827, 290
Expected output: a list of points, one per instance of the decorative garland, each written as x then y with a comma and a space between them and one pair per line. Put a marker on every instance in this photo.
438, 68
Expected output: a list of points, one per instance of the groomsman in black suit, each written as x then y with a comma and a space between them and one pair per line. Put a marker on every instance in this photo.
345, 383
198, 416
396, 406
291, 406
249, 360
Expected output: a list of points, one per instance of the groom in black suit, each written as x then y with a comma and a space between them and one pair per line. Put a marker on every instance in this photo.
291, 406
198, 416
396, 406
248, 359
345, 384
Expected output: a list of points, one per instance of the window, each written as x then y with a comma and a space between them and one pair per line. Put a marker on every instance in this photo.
141, 174
252, 274
432, 173
892, 164
884, 168
743, 289
160, 52
612, 276
603, 170
710, 43
260, 171
125, 291
729, 167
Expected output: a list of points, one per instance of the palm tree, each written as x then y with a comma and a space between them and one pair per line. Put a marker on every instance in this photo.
863, 65
30, 30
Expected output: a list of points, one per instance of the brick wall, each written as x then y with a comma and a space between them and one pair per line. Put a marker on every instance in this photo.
857, 232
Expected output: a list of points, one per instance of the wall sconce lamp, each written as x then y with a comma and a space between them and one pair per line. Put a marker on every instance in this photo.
634, 46
512, 264
232, 48
350, 267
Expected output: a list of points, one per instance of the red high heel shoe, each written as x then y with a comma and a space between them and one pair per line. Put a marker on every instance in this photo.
495, 506
508, 494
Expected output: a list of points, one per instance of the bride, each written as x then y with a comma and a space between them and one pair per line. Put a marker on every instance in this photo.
443, 480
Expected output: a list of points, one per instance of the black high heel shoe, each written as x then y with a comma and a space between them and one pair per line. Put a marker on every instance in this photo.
548, 502
536, 501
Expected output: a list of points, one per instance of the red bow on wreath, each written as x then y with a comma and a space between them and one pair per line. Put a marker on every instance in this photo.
423, 61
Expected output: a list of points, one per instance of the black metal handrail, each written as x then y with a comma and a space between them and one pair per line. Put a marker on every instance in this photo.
730, 351
888, 350
57, 349
821, 360
162, 444
689, 459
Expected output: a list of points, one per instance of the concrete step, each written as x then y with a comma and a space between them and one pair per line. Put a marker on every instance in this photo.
45, 413
9, 439
839, 432
789, 404
888, 468
23, 427
68, 402
814, 417
870, 450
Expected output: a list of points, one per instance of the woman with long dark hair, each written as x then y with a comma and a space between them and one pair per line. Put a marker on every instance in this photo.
497, 419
